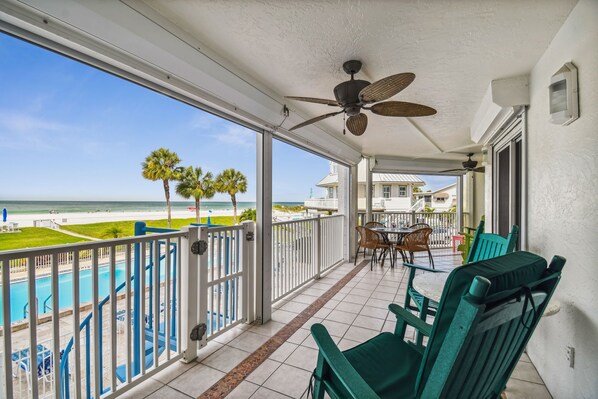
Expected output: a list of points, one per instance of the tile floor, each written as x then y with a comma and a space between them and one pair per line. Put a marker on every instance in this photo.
356, 313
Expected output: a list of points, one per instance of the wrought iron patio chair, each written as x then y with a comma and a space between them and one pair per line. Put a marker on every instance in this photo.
487, 314
370, 239
417, 241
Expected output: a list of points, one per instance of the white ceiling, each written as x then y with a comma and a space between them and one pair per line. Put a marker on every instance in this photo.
455, 48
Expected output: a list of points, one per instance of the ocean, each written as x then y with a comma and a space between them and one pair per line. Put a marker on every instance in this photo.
33, 207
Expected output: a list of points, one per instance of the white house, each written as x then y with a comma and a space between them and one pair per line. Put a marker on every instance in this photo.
440, 200
390, 191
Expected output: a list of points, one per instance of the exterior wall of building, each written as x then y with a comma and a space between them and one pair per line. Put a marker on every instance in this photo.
562, 203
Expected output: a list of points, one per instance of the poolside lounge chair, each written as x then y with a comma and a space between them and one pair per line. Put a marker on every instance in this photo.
44, 364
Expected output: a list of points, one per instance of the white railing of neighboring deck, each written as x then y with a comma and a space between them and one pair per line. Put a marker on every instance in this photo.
302, 249
443, 224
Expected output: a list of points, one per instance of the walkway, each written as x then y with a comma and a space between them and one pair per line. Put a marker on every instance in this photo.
353, 313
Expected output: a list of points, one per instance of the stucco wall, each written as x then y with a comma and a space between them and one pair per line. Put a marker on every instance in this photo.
563, 212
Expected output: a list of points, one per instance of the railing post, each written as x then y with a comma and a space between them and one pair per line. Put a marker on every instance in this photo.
249, 269
413, 220
202, 302
317, 245
137, 311
189, 293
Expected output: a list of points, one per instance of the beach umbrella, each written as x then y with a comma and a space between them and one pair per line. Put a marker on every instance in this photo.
4, 214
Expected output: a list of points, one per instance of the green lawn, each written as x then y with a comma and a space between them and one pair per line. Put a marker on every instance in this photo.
30, 237
100, 230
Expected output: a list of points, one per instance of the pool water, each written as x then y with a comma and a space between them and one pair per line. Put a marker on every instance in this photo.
19, 292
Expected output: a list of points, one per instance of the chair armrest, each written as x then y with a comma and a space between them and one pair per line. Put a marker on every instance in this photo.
410, 319
339, 364
427, 269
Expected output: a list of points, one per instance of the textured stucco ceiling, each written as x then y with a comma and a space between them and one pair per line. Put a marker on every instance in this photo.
454, 47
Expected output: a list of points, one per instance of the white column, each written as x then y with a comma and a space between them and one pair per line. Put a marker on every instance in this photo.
347, 205
368, 190
459, 203
190, 291
263, 247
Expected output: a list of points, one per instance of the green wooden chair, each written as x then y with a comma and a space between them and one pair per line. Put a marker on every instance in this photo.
487, 314
485, 246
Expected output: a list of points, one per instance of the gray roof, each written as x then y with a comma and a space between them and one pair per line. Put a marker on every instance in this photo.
332, 179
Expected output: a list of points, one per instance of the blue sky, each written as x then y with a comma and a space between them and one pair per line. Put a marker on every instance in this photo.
71, 132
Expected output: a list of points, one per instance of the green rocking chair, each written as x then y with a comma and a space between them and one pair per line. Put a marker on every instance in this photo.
487, 314
485, 246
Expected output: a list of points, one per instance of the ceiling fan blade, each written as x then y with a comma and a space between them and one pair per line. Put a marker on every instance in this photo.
316, 119
386, 88
481, 169
357, 124
314, 100
400, 108
452, 170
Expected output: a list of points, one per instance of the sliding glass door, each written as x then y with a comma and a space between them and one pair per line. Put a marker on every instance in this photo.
508, 180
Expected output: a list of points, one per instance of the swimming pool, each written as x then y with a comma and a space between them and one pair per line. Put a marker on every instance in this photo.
19, 291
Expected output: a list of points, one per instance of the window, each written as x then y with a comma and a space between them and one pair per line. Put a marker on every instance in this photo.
402, 191
386, 191
330, 192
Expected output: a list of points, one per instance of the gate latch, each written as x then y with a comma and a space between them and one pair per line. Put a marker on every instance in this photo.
199, 247
249, 236
198, 332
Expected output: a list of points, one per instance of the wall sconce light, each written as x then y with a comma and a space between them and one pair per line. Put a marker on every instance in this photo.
563, 94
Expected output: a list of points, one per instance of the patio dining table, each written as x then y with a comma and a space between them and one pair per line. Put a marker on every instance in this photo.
431, 286
399, 231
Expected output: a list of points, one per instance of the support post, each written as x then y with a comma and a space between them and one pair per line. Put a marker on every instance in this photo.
318, 246
264, 228
351, 216
460, 203
249, 289
189, 292
368, 190
137, 311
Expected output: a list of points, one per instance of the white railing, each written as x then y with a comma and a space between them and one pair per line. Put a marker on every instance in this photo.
418, 206
131, 328
321, 203
101, 330
443, 224
227, 275
331, 241
302, 249
43, 263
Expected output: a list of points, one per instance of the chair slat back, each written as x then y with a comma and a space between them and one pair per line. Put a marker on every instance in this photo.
487, 245
476, 343
369, 238
370, 225
417, 238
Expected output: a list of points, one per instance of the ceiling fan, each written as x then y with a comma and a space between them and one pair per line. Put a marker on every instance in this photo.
353, 96
468, 166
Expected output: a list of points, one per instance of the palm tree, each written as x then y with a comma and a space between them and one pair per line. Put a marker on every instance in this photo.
113, 232
161, 164
193, 184
231, 181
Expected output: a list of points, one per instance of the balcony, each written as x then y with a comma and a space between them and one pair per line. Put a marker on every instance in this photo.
311, 282
279, 356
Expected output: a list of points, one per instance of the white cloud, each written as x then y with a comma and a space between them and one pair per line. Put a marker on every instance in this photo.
235, 135
25, 131
20, 122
